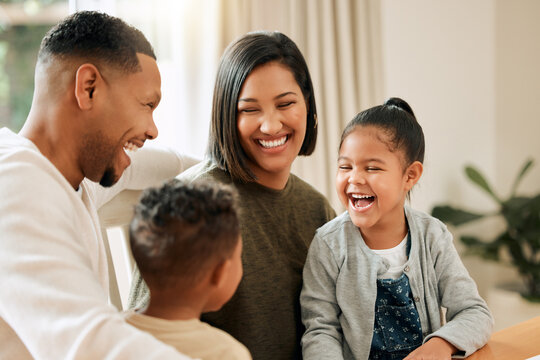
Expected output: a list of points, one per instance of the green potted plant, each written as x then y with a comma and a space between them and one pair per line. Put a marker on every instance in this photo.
520, 238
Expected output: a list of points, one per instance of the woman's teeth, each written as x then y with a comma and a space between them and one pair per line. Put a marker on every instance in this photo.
268, 144
129, 146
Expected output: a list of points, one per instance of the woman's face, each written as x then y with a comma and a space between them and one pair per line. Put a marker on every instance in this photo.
272, 117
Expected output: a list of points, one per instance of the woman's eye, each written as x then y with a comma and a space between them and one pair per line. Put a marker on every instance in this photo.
151, 105
344, 167
247, 110
286, 104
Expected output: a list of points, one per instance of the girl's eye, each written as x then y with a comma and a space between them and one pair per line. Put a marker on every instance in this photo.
372, 168
151, 105
246, 111
344, 167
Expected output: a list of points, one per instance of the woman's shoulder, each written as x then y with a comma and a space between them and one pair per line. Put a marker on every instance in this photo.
310, 196
206, 170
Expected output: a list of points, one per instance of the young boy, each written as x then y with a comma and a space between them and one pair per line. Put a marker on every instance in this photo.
186, 241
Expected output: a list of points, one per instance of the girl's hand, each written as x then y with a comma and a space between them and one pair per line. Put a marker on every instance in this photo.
434, 348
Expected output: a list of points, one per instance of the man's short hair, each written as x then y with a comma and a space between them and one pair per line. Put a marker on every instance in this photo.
182, 229
97, 37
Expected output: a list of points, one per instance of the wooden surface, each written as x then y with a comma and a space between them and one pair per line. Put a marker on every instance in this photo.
518, 342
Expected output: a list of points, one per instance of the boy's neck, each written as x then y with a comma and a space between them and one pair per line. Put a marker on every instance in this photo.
190, 307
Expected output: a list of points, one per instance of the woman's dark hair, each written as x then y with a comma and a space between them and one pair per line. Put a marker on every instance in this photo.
396, 118
238, 61
97, 37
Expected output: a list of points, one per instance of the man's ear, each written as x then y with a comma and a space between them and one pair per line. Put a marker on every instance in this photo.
87, 79
413, 174
218, 274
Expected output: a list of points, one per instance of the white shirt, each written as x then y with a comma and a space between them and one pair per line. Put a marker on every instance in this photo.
53, 266
396, 257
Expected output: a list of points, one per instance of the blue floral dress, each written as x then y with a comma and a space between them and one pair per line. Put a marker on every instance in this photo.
397, 330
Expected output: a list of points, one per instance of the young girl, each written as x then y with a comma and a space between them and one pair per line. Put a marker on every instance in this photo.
263, 116
377, 276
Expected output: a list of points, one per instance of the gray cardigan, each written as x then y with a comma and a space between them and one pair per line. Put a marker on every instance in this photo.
340, 289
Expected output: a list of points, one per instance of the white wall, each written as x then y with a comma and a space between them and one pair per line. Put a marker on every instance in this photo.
446, 73
470, 70
517, 86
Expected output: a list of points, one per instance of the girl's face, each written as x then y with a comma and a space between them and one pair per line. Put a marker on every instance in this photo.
371, 182
272, 117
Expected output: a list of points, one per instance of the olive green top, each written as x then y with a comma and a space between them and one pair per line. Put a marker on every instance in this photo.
277, 227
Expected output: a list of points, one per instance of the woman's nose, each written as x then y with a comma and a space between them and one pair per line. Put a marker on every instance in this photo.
271, 123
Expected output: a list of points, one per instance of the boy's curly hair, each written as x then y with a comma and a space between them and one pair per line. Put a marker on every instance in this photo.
180, 229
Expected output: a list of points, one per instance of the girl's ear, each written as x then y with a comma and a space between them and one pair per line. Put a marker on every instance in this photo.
413, 174
87, 79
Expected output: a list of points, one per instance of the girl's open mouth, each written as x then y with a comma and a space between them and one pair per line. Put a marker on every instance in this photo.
361, 202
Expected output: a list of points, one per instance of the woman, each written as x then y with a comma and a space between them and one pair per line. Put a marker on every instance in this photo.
263, 117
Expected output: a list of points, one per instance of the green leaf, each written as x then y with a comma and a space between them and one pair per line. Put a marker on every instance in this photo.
454, 216
523, 171
486, 250
476, 177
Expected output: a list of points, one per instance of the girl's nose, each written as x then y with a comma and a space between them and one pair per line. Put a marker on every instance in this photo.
271, 123
357, 178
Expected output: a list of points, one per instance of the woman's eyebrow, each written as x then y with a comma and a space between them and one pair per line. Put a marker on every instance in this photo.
285, 94
247, 100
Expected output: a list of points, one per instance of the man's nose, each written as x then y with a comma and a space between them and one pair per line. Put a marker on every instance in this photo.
152, 131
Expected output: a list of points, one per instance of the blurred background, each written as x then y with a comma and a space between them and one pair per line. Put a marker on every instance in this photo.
469, 69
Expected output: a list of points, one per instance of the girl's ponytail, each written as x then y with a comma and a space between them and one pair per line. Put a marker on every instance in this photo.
400, 103
397, 119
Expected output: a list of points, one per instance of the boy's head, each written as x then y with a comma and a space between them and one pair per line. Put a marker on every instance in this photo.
185, 233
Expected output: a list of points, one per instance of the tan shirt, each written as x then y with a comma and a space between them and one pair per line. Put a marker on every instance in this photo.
192, 337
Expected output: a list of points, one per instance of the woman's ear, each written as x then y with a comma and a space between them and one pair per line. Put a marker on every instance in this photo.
413, 174
87, 79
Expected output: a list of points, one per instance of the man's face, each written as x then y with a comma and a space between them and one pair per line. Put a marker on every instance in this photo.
125, 122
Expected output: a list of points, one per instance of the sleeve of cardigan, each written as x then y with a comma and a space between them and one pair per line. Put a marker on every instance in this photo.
320, 311
51, 296
469, 321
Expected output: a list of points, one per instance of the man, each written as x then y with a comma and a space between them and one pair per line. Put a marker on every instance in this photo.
96, 86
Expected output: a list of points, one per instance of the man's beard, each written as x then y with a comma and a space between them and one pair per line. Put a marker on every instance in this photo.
108, 179
98, 151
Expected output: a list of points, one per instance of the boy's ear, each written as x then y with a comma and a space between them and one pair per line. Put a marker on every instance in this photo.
413, 174
218, 274
87, 80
